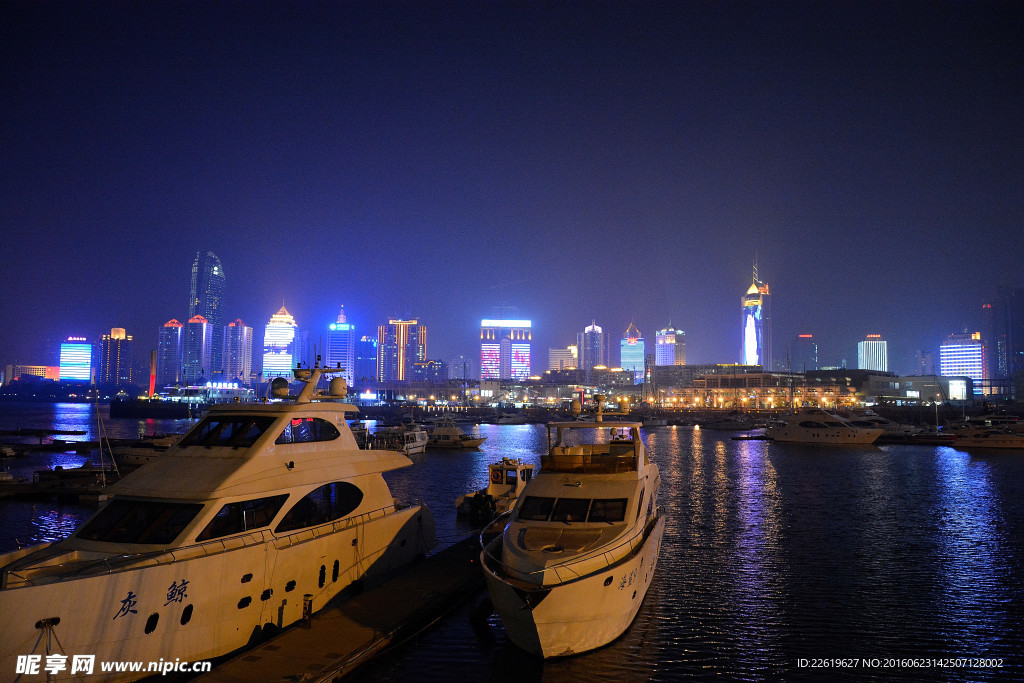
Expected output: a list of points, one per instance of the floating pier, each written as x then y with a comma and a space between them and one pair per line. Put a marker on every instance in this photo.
340, 638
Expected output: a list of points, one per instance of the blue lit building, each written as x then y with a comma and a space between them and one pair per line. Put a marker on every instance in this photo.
963, 355
341, 347
279, 346
238, 352
197, 351
631, 353
168, 354
365, 363
591, 345
207, 300
670, 347
755, 311
76, 360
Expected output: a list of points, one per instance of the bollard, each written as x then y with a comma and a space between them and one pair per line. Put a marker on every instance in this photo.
307, 610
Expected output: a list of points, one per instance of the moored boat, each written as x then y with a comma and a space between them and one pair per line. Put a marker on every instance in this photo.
259, 516
990, 438
570, 569
505, 480
446, 434
814, 425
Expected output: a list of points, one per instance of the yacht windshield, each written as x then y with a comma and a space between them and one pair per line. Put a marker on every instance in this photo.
235, 431
140, 521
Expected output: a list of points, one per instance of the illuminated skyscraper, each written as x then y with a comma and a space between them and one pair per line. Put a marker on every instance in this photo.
400, 343
755, 310
631, 352
505, 349
872, 354
591, 346
341, 347
279, 346
963, 355
168, 354
116, 359
670, 348
238, 352
197, 351
76, 360
206, 299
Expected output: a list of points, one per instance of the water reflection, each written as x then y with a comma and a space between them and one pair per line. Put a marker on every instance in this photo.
971, 555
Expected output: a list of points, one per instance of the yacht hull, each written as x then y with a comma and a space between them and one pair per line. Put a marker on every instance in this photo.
577, 616
840, 436
199, 602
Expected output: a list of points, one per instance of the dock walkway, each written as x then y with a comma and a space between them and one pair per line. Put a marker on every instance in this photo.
340, 638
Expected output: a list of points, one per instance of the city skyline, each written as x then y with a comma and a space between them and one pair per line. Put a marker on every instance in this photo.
608, 163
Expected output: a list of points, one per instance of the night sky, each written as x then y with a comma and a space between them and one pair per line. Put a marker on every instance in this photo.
582, 161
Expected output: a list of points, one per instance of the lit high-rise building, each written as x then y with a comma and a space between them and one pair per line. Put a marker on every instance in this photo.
197, 351
116, 358
803, 354
341, 347
591, 346
563, 359
670, 347
279, 346
168, 354
631, 352
872, 354
207, 300
755, 310
505, 349
400, 343
963, 355
238, 352
76, 360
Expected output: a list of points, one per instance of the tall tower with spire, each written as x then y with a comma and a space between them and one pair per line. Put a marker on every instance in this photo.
207, 300
756, 318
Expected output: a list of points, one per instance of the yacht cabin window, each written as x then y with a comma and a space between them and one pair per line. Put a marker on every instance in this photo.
538, 509
140, 521
308, 429
242, 515
325, 504
235, 431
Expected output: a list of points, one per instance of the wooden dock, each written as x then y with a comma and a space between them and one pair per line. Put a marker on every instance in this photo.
340, 638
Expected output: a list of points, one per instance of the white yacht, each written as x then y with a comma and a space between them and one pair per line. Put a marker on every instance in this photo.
447, 434
408, 438
814, 425
569, 571
990, 438
259, 516
890, 428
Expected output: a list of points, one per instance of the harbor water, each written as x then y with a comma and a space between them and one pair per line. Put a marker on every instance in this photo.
779, 562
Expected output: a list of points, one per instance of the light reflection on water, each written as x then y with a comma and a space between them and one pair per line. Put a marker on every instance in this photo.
772, 553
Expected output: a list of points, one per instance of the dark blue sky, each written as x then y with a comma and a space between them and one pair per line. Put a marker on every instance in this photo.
606, 161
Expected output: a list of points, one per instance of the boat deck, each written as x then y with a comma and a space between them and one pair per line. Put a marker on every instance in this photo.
340, 638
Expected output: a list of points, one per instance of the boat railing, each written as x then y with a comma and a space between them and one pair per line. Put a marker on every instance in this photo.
212, 547
576, 568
